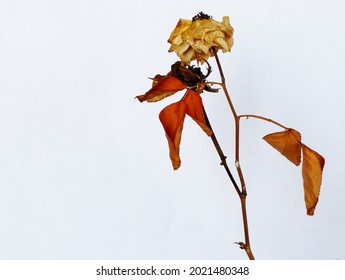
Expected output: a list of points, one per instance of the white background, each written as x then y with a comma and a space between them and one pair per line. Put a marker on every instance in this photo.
84, 168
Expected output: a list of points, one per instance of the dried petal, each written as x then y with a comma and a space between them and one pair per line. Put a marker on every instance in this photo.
312, 168
288, 143
166, 86
194, 39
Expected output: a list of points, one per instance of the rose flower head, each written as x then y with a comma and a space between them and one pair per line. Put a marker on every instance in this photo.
196, 39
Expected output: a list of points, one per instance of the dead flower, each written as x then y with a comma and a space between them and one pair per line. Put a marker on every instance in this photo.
194, 39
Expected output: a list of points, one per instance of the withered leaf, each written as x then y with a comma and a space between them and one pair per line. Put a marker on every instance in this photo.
312, 168
172, 118
166, 86
194, 109
288, 143
156, 79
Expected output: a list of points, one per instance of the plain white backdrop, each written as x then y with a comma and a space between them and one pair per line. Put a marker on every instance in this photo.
84, 168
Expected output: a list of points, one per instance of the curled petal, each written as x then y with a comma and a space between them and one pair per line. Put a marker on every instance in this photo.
223, 44
194, 39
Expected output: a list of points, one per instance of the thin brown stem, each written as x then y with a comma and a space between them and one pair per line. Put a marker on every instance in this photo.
221, 155
223, 85
262, 118
246, 246
243, 193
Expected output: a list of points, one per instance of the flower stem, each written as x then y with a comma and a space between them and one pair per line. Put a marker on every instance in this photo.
221, 154
243, 193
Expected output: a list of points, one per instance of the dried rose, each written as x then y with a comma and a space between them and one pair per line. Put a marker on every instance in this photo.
194, 39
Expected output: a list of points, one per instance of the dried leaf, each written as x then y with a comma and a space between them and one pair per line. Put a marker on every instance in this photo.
165, 87
288, 143
312, 167
156, 79
194, 109
172, 118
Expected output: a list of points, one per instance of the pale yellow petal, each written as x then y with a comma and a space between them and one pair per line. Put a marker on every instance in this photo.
194, 39
223, 44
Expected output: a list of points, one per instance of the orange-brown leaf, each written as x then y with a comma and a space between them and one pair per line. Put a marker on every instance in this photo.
312, 167
288, 143
194, 109
172, 118
157, 79
165, 87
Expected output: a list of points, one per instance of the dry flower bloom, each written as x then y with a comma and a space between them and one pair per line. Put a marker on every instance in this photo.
194, 39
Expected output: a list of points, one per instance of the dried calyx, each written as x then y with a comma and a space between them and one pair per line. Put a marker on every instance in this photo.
191, 76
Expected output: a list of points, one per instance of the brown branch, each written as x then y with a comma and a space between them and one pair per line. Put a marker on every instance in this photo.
221, 155
262, 118
243, 193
